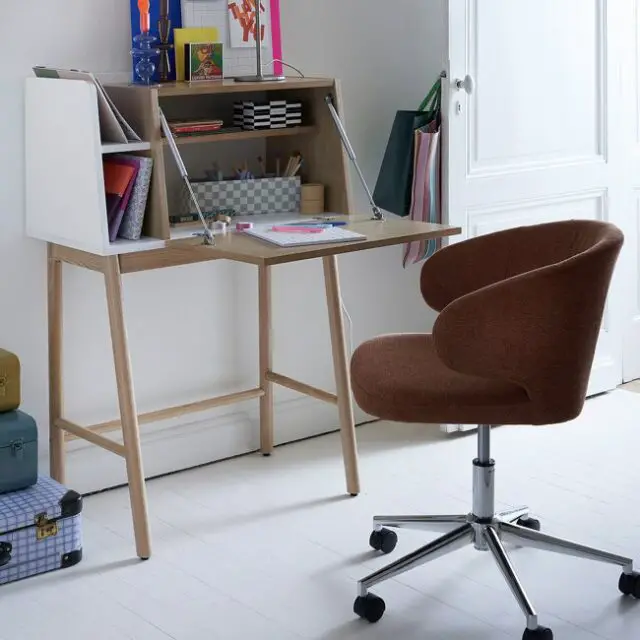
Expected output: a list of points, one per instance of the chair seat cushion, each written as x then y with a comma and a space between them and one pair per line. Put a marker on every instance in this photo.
400, 378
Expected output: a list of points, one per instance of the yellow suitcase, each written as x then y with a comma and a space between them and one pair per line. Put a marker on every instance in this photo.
9, 381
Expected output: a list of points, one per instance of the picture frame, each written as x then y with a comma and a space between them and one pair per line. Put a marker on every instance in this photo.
204, 61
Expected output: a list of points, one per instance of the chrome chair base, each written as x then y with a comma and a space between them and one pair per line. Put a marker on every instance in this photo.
487, 531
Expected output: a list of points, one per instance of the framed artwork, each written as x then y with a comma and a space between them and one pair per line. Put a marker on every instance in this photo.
242, 22
203, 61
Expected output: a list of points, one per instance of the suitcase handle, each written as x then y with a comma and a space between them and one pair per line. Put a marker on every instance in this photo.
5, 553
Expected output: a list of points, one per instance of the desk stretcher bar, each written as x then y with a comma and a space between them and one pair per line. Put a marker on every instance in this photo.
92, 433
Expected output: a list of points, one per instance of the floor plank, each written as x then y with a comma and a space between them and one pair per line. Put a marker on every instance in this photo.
272, 549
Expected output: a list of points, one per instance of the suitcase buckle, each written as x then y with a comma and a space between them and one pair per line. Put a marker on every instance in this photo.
17, 448
45, 528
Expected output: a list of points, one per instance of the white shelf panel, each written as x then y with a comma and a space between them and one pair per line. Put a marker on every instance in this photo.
121, 246
127, 147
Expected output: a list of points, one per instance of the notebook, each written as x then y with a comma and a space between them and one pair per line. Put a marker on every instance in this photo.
133, 218
282, 239
119, 179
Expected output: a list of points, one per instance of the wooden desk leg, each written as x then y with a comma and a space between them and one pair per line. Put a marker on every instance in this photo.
343, 379
54, 309
128, 411
265, 327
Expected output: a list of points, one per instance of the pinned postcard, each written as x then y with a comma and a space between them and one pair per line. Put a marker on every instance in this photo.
203, 61
242, 22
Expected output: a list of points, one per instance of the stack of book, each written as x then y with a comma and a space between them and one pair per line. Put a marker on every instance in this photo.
275, 114
127, 179
195, 127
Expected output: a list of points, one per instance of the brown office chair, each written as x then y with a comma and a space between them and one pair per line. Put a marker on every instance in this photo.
520, 313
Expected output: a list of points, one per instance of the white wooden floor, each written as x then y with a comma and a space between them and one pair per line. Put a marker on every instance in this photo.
256, 548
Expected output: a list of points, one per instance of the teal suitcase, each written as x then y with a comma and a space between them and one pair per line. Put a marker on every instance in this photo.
18, 451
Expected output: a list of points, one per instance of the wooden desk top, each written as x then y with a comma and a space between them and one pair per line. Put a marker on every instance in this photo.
228, 85
243, 248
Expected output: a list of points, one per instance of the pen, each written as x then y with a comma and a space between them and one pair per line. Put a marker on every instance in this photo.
324, 225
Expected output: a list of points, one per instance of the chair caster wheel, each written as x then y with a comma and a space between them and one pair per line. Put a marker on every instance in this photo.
629, 584
541, 633
384, 540
529, 523
369, 607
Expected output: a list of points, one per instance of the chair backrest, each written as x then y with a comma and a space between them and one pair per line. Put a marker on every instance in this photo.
538, 325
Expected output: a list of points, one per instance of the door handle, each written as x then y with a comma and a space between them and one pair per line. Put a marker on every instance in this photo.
467, 84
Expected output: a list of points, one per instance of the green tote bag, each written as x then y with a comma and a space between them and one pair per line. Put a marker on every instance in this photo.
395, 179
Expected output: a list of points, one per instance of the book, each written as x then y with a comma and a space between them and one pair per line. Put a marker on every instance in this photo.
190, 127
190, 34
203, 61
133, 218
118, 183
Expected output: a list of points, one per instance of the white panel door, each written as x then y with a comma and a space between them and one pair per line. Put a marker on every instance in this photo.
631, 73
537, 137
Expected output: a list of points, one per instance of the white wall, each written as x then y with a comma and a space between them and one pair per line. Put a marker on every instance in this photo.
198, 322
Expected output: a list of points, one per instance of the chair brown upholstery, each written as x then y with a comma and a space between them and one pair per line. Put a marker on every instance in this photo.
520, 312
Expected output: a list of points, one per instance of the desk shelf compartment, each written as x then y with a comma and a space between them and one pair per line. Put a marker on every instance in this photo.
66, 203
65, 194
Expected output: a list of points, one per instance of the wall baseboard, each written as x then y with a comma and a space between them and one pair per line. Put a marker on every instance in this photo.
178, 445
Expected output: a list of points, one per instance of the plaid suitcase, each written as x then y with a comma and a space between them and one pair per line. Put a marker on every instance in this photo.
40, 530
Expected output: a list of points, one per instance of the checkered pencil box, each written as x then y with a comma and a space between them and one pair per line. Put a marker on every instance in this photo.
247, 197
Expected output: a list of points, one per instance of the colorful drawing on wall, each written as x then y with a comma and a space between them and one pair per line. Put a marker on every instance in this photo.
204, 61
166, 15
242, 22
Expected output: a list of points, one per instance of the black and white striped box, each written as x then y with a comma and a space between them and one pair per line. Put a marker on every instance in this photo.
275, 114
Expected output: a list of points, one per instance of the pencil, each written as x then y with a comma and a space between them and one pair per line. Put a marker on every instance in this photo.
286, 171
296, 169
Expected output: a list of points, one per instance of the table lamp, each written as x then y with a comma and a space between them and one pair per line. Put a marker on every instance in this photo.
259, 77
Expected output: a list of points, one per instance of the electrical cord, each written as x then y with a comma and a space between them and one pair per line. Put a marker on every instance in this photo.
346, 313
286, 64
